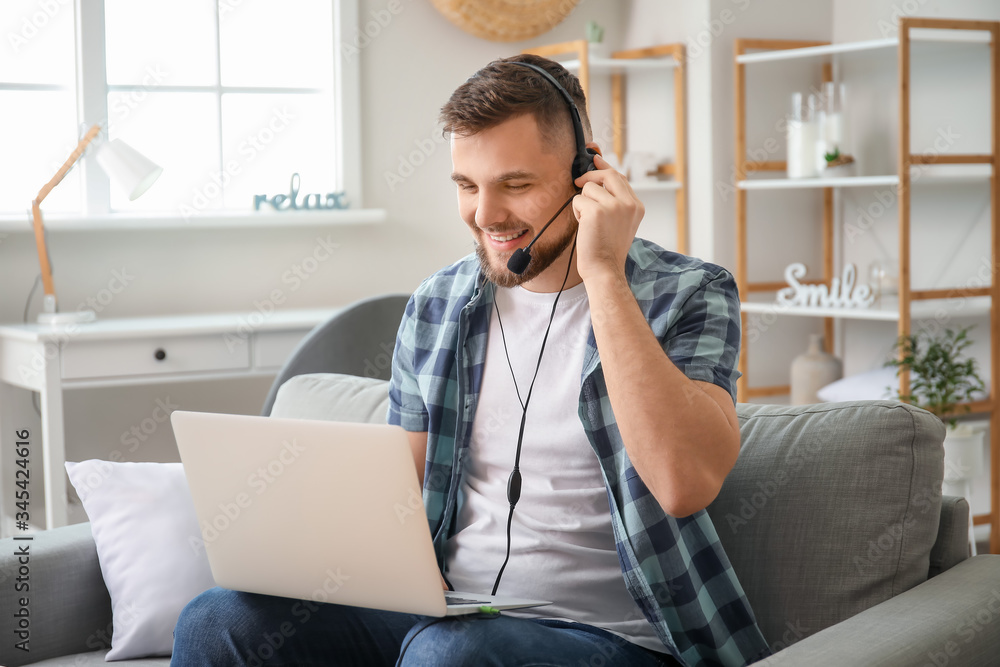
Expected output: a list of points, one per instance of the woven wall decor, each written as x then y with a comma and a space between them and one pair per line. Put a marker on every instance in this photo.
505, 20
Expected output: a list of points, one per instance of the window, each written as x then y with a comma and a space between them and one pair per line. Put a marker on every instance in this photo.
37, 104
230, 97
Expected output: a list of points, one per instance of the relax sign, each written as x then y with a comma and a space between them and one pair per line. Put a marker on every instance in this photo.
282, 202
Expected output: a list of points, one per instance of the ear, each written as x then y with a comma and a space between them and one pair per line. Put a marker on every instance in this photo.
593, 145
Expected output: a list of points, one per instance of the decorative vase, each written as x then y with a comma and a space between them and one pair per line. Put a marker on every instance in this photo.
812, 370
598, 50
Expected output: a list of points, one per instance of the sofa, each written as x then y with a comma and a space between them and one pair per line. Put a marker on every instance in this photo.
832, 517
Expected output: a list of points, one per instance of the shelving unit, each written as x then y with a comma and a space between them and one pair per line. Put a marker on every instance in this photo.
664, 57
911, 304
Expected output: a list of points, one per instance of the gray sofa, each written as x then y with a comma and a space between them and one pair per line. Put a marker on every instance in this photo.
832, 517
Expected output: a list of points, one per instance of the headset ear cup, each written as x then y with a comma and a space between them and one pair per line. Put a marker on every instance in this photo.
584, 162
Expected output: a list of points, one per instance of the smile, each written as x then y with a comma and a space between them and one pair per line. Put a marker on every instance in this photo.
508, 237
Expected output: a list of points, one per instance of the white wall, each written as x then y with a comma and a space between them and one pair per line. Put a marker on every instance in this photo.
408, 71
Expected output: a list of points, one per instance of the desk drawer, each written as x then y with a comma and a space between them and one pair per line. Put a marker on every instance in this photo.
152, 356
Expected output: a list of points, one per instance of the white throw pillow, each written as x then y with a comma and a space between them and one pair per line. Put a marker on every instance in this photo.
333, 397
144, 524
873, 385
870, 386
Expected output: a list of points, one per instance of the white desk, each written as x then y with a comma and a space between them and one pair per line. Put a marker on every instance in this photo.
118, 352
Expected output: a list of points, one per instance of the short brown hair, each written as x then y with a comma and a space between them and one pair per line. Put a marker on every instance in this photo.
500, 91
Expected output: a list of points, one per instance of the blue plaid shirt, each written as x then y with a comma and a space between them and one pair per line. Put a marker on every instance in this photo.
675, 569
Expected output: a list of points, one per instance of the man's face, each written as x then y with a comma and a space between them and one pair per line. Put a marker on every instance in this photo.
510, 183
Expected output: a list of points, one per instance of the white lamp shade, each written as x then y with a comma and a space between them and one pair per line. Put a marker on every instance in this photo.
130, 170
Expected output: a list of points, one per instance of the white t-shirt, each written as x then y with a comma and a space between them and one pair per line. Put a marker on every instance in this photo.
562, 542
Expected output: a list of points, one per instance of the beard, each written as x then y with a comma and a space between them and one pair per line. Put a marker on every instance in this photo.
542, 257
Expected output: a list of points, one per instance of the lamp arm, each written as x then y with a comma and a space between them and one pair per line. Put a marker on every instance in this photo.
74, 156
36, 211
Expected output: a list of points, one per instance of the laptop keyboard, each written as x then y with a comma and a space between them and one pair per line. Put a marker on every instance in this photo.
454, 599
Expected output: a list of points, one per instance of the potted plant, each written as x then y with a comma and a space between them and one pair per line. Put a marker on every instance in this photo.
941, 378
595, 40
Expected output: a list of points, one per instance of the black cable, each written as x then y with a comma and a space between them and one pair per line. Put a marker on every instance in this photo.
27, 304
551, 220
514, 481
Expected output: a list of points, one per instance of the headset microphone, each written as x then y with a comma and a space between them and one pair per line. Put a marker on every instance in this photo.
583, 162
519, 261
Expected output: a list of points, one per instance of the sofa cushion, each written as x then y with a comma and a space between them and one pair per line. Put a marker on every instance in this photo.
830, 509
97, 659
149, 547
333, 397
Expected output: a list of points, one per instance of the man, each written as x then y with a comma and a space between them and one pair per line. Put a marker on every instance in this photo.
604, 373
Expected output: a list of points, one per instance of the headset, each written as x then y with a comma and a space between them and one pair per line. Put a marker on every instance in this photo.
583, 162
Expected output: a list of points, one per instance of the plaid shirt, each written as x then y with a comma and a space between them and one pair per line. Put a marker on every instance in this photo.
675, 569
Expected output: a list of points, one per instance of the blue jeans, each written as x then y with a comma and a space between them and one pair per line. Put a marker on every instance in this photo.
224, 627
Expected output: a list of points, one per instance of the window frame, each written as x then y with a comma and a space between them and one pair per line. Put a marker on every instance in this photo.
92, 107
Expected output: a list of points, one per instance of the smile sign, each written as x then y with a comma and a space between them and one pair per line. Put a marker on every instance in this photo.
841, 293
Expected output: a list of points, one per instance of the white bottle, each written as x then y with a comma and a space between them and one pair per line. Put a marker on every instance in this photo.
833, 129
831, 118
802, 135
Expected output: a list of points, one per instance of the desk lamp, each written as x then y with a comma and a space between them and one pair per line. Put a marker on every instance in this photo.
133, 172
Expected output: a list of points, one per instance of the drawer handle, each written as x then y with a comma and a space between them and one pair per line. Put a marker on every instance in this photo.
160, 354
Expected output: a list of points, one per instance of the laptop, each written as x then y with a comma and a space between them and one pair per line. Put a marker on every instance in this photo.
316, 510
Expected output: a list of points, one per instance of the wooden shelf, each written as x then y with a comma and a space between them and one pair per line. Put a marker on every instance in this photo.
913, 171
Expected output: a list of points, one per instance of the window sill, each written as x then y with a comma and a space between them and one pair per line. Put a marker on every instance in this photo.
215, 220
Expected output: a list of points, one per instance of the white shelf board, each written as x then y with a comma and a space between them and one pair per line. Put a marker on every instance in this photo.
836, 182
919, 174
648, 186
215, 220
886, 310
916, 35
622, 64
815, 51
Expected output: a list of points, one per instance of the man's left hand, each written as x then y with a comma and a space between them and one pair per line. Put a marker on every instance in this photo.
609, 215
